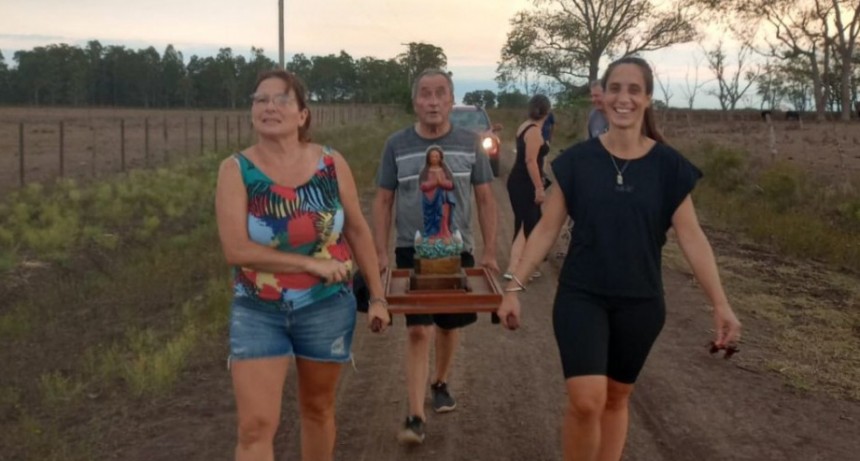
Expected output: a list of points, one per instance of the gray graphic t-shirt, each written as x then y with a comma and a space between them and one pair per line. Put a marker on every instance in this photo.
403, 158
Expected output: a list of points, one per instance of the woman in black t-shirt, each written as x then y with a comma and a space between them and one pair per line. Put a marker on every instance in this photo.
623, 190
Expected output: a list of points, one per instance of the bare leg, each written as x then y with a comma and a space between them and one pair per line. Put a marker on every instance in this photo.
516, 251
614, 423
317, 387
586, 396
418, 367
258, 385
446, 344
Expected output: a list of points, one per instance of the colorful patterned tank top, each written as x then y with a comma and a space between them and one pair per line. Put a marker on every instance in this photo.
306, 220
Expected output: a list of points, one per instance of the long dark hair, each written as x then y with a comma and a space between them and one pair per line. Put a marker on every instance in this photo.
294, 83
649, 123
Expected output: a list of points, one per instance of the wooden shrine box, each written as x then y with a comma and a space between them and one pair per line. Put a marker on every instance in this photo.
468, 290
438, 266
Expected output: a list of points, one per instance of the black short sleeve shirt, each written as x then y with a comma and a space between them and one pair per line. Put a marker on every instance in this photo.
619, 229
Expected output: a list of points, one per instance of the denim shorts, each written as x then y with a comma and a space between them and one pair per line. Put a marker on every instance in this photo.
321, 331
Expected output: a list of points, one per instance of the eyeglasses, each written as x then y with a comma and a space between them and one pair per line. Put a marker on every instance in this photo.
280, 100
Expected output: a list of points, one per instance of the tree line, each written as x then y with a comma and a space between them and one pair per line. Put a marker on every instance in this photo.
113, 75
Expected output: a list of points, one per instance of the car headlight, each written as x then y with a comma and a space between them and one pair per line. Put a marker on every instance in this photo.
487, 143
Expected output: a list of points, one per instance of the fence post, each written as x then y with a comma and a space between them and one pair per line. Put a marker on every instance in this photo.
21, 153
166, 140
93, 161
122, 144
146, 140
239, 131
201, 135
186, 136
215, 131
227, 125
62, 150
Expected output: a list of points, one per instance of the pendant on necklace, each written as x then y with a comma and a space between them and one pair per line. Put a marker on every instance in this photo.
619, 179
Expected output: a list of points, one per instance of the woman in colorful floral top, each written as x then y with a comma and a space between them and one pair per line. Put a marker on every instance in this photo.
288, 214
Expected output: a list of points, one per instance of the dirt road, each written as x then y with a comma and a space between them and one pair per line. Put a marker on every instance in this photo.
510, 392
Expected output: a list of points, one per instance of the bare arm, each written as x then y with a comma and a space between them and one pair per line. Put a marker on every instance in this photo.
488, 219
698, 252
534, 141
231, 208
356, 229
700, 256
381, 209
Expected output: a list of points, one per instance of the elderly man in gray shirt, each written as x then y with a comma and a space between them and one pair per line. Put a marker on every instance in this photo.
397, 179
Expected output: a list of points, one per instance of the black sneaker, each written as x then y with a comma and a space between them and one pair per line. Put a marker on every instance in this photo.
442, 400
412, 432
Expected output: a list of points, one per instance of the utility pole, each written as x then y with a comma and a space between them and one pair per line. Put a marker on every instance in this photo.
281, 33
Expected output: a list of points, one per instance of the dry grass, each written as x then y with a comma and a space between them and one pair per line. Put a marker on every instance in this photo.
804, 318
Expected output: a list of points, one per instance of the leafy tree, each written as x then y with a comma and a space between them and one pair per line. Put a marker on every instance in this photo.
420, 57
301, 65
474, 98
489, 99
251, 70
4, 80
149, 83
333, 78
207, 81
34, 74
227, 68
566, 39
512, 100
380, 81
97, 93
172, 73
483, 98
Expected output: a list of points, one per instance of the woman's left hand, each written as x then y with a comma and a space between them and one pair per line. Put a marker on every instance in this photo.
378, 317
540, 196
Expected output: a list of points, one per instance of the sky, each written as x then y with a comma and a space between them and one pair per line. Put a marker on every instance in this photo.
471, 32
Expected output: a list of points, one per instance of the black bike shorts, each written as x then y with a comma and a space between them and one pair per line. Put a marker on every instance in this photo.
605, 335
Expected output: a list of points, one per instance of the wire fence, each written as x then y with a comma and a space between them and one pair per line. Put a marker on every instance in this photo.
39, 145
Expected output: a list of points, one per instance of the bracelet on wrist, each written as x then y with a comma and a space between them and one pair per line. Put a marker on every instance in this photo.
379, 300
519, 287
